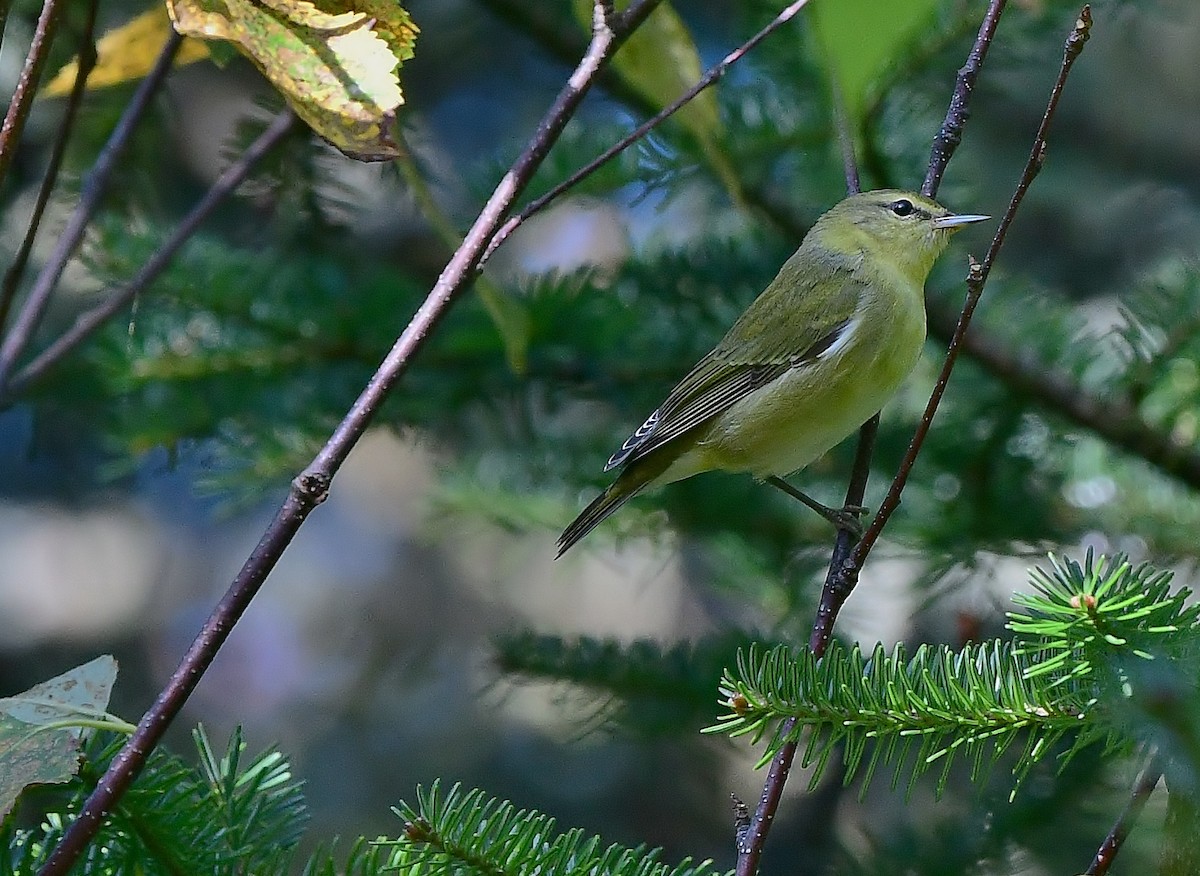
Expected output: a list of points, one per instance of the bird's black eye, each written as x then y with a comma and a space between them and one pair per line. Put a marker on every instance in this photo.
903, 207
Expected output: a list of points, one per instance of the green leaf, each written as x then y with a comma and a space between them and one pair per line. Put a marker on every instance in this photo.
862, 39
40, 729
127, 53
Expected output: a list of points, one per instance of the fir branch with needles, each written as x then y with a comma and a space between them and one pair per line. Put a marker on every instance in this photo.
1070, 671
467, 832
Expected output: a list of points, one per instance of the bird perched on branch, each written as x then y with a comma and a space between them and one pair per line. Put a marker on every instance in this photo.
819, 352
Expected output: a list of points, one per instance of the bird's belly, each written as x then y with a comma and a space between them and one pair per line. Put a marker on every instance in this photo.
796, 418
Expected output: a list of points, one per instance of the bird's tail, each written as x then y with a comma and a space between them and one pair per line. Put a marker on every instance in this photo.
620, 491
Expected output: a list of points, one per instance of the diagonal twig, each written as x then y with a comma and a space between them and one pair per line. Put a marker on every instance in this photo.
311, 486
752, 838
91, 320
30, 315
86, 61
709, 78
976, 279
27, 83
1143, 787
950, 134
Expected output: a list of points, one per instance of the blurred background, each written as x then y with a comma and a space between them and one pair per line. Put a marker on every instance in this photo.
393, 644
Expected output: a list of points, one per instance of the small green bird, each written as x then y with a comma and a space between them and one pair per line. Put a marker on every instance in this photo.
816, 355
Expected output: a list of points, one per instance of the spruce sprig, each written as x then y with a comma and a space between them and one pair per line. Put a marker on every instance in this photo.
1067, 672
464, 832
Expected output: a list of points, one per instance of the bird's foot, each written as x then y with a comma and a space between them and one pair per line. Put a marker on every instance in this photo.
844, 518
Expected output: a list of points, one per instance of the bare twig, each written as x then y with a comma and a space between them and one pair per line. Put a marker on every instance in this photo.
1114, 419
709, 78
976, 279
548, 29
311, 486
27, 83
753, 837
950, 134
1142, 789
30, 316
83, 68
845, 135
88, 322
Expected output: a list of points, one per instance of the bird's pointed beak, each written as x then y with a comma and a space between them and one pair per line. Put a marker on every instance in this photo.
953, 221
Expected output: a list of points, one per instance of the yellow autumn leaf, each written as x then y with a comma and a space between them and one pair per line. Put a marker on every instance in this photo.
126, 54
334, 61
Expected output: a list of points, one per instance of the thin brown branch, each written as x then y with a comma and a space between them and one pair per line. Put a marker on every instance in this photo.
950, 134
27, 83
538, 22
83, 68
976, 280
30, 316
845, 135
1143, 787
90, 321
1114, 419
311, 486
709, 78
752, 839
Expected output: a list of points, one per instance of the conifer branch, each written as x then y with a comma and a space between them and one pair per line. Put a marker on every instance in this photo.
1068, 671
311, 486
459, 832
915, 712
233, 812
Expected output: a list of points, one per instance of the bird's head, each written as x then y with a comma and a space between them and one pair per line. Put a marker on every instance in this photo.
904, 229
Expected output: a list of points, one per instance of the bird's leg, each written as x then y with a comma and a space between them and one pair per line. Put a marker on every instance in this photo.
843, 518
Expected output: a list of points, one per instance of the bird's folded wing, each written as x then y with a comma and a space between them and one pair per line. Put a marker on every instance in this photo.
763, 345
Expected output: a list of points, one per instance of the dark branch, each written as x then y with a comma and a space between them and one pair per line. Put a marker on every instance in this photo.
1142, 788
950, 134
976, 279
27, 83
709, 78
83, 68
311, 487
30, 316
